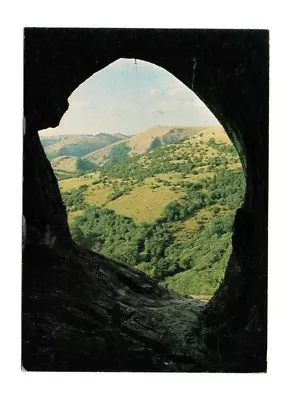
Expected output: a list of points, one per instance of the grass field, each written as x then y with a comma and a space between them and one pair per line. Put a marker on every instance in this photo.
65, 163
73, 183
97, 194
144, 204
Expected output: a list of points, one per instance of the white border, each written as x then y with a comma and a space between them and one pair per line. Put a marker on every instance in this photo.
286, 268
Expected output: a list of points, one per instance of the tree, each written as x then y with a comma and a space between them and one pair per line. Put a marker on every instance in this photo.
78, 235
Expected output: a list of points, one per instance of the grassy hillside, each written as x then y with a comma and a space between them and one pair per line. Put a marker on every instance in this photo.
69, 165
152, 138
76, 145
112, 152
144, 203
167, 212
71, 155
160, 135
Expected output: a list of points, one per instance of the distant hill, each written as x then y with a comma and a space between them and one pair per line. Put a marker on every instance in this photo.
159, 135
77, 145
112, 151
120, 136
152, 138
71, 155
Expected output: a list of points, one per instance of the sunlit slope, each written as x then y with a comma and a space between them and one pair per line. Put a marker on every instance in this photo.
158, 136
140, 190
112, 151
152, 138
70, 165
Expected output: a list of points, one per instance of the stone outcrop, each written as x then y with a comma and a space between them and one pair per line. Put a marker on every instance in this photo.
82, 311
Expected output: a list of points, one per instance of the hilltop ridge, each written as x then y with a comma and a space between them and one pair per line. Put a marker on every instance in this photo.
152, 138
76, 145
93, 151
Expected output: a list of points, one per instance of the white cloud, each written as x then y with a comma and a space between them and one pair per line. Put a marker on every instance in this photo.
152, 92
177, 91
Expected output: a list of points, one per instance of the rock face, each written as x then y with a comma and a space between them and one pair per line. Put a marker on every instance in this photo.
84, 312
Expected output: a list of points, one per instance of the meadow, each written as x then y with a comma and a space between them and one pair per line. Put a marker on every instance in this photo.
168, 212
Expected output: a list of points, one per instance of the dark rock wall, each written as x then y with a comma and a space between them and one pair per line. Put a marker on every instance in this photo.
228, 70
45, 219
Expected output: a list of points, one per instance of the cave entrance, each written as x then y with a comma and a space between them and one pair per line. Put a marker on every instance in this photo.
148, 175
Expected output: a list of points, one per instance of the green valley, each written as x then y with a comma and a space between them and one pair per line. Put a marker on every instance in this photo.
164, 203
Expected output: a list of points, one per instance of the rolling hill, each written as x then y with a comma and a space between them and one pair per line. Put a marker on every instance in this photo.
94, 151
152, 138
66, 166
76, 145
112, 151
160, 135
167, 211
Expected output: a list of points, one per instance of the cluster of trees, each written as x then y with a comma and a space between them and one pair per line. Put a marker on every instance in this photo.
152, 247
116, 236
74, 199
222, 147
225, 188
165, 159
118, 193
182, 209
117, 154
204, 252
158, 161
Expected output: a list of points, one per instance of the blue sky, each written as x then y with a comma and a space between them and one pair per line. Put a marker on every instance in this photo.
128, 98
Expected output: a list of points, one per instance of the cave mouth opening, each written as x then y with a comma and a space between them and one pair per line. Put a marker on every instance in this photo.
148, 176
